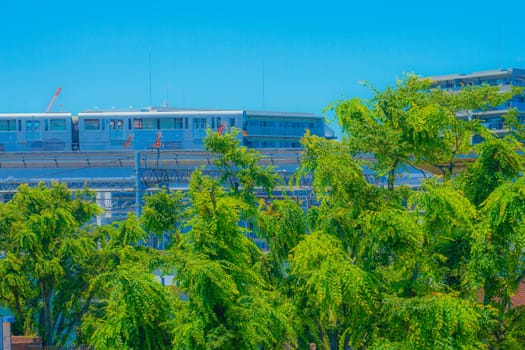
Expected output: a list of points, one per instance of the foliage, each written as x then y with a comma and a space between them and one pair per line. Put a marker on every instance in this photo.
413, 123
282, 225
448, 222
365, 268
497, 162
45, 273
498, 251
335, 301
238, 166
228, 304
135, 314
436, 321
163, 214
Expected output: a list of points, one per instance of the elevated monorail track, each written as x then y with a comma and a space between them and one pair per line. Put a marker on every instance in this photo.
128, 159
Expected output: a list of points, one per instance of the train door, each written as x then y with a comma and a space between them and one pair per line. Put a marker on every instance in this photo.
117, 129
33, 130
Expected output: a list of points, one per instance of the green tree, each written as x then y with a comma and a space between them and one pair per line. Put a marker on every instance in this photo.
436, 321
229, 305
414, 249
414, 124
448, 222
334, 300
499, 251
238, 166
45, 272
133, 309
163, 214
497, 162
282, 224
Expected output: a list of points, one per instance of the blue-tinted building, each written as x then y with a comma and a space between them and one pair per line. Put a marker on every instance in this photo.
504, 78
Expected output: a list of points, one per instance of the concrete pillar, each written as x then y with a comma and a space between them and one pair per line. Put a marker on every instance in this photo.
5, 332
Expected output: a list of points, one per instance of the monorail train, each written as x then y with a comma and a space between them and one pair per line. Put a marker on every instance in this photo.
161, 128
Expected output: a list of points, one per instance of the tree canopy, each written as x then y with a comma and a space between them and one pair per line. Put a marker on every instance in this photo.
365, 267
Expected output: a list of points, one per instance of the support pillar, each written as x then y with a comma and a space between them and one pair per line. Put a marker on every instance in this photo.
5, 332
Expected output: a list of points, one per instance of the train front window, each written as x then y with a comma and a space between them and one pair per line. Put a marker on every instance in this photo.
92, 124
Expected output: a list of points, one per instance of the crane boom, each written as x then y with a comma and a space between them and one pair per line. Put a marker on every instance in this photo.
52, 102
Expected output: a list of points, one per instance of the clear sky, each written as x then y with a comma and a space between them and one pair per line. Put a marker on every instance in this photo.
273, 55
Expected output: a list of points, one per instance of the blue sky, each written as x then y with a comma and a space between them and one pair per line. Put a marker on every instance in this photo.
216, 54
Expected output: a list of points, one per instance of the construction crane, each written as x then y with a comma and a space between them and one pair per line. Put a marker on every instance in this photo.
52, 102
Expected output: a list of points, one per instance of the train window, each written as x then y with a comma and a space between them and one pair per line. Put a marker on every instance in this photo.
213, 123
203, 123
195, 123
218, 121
32, 125
185, 123
116, 124
58, 124
232, 121
92, 124
178, 123
150, 123
8, 125
137, 123
167, 123
46, 125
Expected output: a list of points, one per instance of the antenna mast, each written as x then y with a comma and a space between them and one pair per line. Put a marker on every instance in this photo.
264, 107
150, 79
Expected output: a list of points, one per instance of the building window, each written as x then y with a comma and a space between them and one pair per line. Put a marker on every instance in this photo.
91, 124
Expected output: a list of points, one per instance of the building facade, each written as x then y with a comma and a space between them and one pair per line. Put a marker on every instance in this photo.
504, 78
